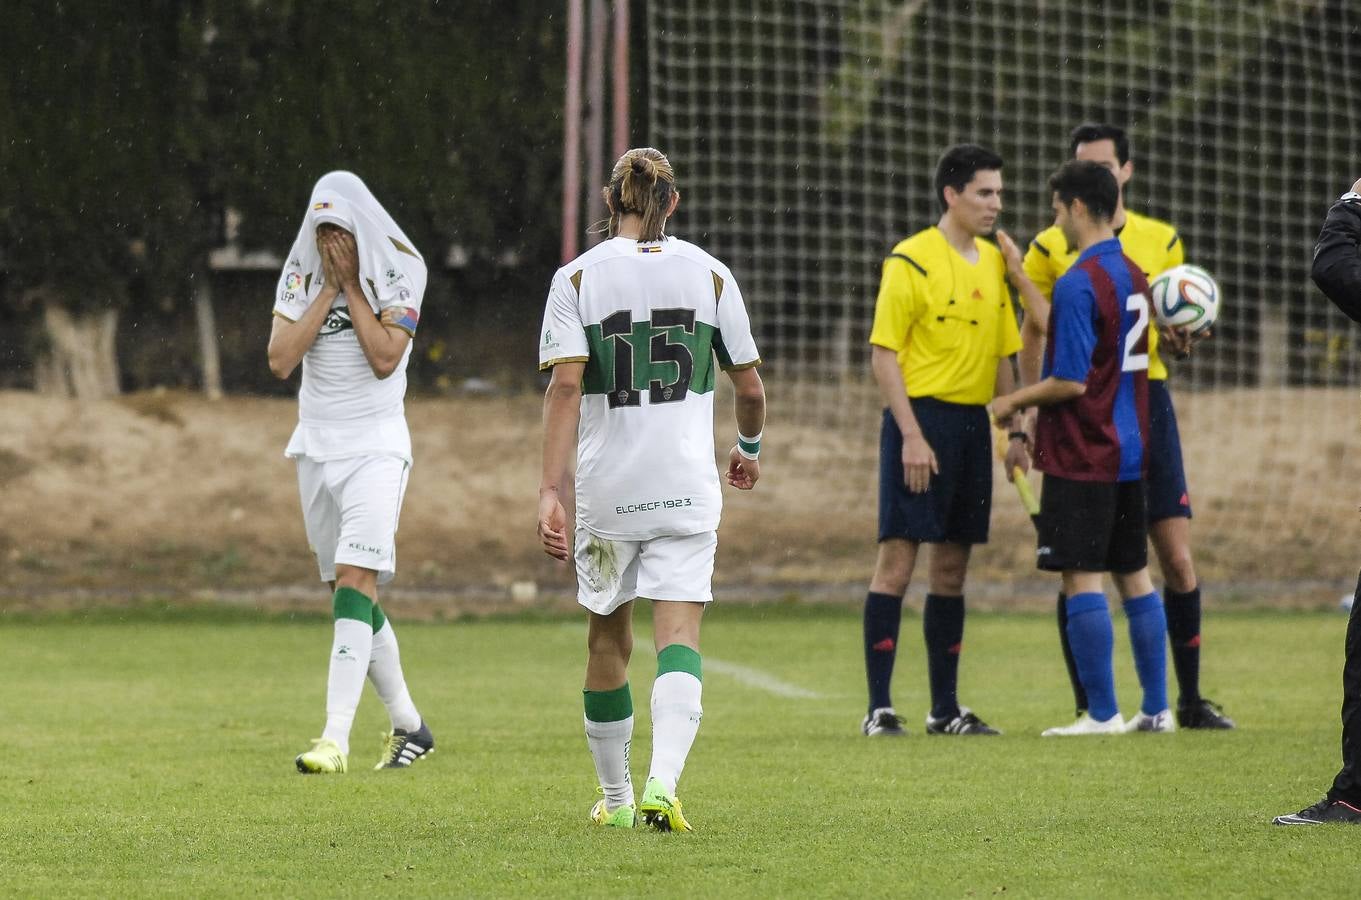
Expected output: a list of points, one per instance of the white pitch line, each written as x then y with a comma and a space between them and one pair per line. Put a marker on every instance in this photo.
762, 681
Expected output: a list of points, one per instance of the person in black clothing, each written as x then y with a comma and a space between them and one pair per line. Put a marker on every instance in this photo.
1337, 272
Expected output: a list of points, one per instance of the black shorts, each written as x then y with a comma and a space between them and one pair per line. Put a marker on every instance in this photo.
1091, 526
1166, 478
955, 508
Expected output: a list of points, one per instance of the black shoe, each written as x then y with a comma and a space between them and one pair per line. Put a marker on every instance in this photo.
964, 723
1202, 713
1324, 812
402, 748
883, 722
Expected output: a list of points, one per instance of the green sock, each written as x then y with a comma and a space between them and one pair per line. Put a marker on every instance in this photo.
348, 603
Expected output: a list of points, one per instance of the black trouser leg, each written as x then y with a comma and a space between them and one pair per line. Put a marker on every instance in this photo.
1347, 784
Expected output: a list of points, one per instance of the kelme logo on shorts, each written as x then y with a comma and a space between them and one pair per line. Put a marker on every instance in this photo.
365, 549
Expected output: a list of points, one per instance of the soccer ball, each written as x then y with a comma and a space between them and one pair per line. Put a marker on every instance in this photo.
1185, 297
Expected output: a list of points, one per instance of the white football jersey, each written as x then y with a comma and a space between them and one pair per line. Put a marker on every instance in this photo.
343, 408
649, 320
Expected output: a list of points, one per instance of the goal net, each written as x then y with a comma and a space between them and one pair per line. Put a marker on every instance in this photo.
804, 136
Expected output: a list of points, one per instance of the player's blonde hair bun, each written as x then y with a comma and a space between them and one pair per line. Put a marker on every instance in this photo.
641, 183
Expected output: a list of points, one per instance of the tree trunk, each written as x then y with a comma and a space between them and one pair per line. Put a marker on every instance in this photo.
210, 358
79, 359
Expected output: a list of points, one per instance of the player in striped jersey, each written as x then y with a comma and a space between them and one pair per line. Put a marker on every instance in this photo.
1090, 443
1154, 246
632, 331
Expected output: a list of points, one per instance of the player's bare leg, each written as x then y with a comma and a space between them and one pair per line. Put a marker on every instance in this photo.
676, 709
893, 569
943, 630
609, 713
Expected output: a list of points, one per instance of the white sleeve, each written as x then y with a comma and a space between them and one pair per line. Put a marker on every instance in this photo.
563, 337
290, 297
733, 344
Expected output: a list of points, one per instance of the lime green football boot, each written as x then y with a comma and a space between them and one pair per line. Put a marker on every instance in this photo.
324, 758
661, 810
619, 817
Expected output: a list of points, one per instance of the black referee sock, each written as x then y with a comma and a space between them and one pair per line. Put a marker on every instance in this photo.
943, 628
1079, 693
1183, 633
883, 614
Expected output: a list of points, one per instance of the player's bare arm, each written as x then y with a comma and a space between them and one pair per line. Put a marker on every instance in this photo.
750, 405
290, 341
1046, 393
561, 412
383, 346
919, 460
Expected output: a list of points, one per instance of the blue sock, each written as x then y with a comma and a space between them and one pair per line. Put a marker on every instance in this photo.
1148, 639
1093, 641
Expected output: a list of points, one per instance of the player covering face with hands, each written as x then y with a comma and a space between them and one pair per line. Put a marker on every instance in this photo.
347, 307
633, 331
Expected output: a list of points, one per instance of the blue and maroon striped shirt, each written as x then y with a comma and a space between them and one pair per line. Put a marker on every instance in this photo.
1098, 335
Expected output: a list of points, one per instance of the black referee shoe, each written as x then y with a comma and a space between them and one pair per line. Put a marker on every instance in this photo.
964, 723
1324, 812
883, 722
1204, 714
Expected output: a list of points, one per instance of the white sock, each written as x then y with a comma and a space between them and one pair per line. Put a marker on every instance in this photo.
609, 743
345, 683
675, 720
385, 671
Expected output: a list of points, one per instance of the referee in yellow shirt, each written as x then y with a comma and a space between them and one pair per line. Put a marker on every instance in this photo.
944, 332
1155, 247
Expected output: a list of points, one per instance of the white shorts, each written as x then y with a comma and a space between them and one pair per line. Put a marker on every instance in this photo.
350, 508
610, 573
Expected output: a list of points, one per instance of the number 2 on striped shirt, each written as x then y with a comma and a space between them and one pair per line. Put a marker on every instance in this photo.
1136, 362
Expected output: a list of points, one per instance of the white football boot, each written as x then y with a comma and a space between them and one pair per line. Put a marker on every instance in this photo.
1087, 725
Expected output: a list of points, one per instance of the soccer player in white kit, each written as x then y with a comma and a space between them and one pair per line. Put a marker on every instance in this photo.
631, 331
347, 306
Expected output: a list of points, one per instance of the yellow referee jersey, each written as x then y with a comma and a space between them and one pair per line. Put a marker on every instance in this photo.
949, 320
1153, 244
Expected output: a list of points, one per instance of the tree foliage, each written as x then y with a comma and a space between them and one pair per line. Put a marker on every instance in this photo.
127, 129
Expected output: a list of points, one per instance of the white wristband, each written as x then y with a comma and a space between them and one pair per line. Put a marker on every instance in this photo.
749, 447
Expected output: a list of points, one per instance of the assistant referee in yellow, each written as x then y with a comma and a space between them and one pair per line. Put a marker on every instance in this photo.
944, 333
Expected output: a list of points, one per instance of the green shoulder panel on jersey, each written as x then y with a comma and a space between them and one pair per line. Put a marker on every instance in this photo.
673, 358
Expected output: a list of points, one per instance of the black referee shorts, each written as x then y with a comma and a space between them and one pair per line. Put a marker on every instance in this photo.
1091, 526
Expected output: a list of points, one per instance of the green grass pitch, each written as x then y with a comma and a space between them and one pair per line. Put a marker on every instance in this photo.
151, 755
